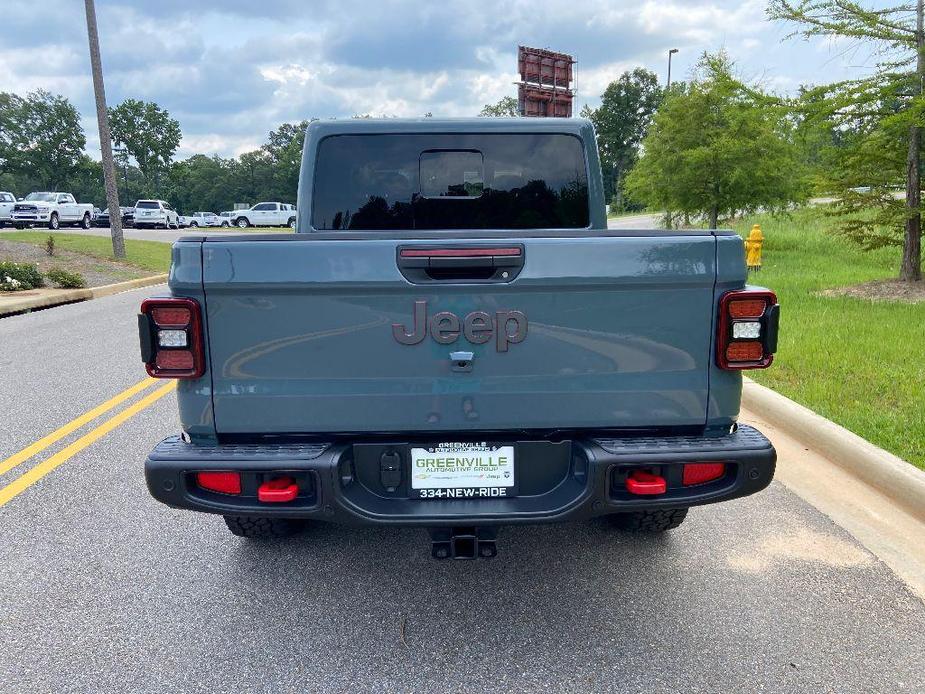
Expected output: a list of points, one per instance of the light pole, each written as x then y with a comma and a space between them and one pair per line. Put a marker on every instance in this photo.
670, 53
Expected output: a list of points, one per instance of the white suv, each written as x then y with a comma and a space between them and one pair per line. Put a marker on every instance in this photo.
156, 213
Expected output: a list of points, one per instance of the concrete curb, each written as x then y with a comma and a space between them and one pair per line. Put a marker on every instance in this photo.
110, 289
45, 298
885, 472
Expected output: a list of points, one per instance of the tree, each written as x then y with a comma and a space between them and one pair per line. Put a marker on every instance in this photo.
149, 134
622, 121
716, 149
505, 108
201, 183
885, 109
40, 137
284, 149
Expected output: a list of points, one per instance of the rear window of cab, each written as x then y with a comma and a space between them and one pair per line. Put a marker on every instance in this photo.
447, 182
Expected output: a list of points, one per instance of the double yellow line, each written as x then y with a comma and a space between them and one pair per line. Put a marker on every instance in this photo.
36, 473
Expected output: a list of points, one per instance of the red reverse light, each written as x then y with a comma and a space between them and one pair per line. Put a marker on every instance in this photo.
700, 473
221, 482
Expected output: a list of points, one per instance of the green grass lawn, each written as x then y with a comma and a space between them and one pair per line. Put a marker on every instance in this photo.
859, 363
148, 255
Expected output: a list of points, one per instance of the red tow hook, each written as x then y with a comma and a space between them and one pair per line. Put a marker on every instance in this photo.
278, 491
645, 483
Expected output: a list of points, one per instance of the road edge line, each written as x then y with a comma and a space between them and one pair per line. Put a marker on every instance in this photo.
889, 474
34, 474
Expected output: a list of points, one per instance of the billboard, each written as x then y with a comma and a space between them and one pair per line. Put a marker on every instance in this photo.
545, 86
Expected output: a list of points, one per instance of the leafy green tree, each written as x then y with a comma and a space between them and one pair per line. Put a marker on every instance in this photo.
284, 149
505, 108
201, 183
622, 121
41, 140
149, 134
885, 111
716, 149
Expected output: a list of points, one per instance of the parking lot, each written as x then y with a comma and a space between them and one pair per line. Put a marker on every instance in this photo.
106, 590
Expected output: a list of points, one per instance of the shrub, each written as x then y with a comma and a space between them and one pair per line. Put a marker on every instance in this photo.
19, 276
50, 245
65, 279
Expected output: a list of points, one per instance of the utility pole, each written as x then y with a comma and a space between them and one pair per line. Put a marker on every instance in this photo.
102, 117
912, 248
670, 53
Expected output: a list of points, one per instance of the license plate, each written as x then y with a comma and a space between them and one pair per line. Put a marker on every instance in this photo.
462, 471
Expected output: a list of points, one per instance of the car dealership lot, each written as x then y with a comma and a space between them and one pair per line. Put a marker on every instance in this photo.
106, 590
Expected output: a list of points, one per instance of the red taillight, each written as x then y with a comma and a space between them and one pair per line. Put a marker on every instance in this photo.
747, 329
747, 308
221, 482
174, 360
744, 351
171, 338
699, 473
165, 315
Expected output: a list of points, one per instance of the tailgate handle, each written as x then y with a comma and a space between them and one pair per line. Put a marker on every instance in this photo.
450, 264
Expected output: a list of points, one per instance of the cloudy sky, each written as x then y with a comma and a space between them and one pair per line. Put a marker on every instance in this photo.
231, 70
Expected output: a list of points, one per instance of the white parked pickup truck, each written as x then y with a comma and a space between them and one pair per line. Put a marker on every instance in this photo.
7, 200
156, 213
53, 210
266, 214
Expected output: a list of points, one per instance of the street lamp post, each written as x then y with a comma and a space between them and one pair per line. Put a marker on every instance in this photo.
670, 53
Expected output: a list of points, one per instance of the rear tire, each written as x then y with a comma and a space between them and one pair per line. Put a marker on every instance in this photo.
85, 223
292, 223
53, 222
259, 528
650, 521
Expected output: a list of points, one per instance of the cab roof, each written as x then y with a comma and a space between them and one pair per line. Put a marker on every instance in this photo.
359, 126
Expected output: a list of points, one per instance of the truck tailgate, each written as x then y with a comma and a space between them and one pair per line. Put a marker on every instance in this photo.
617, 333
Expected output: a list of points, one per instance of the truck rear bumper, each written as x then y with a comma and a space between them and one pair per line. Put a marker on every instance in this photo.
566, 480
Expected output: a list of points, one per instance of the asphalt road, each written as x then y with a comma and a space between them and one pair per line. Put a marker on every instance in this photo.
105, 590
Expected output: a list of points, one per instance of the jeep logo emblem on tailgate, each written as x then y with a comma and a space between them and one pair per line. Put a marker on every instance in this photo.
507, 327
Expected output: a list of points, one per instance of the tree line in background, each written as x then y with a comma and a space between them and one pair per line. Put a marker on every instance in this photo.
42, 148
702, 151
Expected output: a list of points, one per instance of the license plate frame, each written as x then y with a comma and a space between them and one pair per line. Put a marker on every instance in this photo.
462, 471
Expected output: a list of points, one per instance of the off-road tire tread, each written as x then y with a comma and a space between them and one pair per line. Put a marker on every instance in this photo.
262, 528
651, 521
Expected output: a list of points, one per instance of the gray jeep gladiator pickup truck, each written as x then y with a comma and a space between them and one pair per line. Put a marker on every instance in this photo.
453, 339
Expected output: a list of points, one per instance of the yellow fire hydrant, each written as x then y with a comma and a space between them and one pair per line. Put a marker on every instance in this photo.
753, 248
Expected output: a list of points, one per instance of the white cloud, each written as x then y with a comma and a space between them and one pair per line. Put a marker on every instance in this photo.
232, 70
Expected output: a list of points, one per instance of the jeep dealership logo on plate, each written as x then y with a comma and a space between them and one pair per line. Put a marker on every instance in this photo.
506, 327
